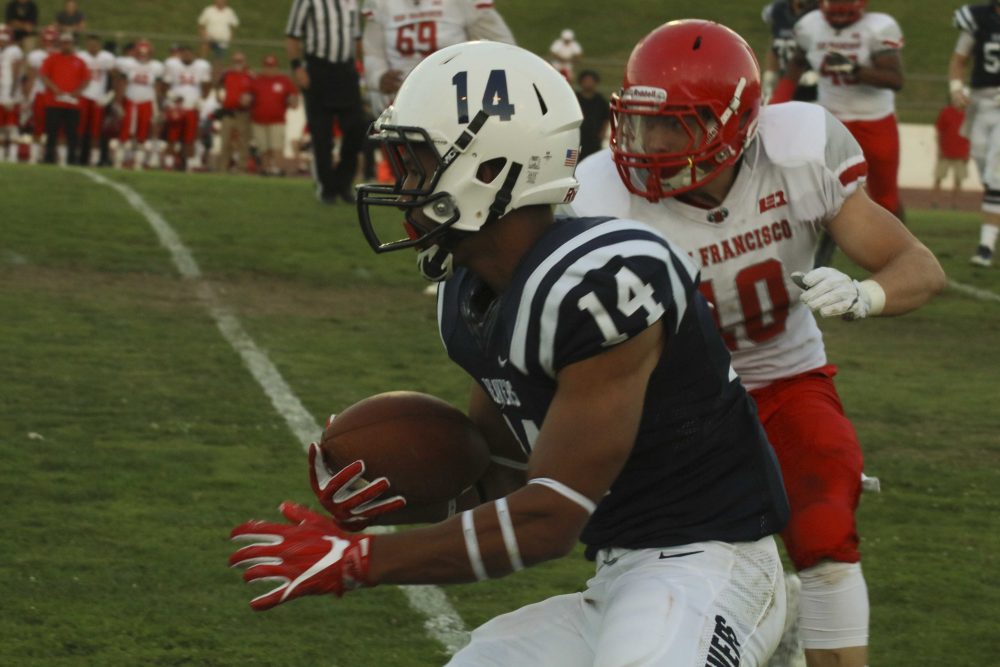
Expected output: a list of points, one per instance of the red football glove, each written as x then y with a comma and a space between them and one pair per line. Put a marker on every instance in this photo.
312, 556
354, 509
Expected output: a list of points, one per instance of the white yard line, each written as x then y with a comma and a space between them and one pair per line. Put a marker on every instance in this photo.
442, 621
975, 292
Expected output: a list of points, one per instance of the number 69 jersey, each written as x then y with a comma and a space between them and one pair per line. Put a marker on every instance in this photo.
792, 180
701, 467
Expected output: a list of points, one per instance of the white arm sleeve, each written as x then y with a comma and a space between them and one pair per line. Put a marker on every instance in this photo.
965, 44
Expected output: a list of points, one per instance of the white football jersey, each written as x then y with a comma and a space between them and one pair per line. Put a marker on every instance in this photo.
141, 78
10, 91
794, 178
35, 60
100, 65
186, 81
399, 34
842, 94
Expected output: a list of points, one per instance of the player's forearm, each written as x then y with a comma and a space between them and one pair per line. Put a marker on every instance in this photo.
880, 77
452, 551
956, 67
910, 280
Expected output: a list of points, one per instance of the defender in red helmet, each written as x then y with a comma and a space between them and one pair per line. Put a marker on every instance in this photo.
842, 13
746, 192
708, 104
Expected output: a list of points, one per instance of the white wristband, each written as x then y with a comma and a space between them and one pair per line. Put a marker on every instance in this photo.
509, 536
875, 294
472, 546
955, 85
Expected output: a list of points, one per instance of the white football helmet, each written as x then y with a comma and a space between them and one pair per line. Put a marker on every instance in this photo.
473, 103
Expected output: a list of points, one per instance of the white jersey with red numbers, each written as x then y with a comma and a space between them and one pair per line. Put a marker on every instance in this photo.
141, 77
10, 91
400, 33
100, 65
846, 98
35, 60
793, 179
186, 81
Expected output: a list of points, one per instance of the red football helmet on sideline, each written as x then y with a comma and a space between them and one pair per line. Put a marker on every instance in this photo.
687, 108
842, 13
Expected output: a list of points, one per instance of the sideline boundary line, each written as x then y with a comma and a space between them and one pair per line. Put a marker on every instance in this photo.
442, 621
975, 292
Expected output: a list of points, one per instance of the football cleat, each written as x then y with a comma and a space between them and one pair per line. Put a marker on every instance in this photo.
983, 257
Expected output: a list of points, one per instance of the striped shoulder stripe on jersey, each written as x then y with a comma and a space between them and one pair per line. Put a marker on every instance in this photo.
964, 20
851, 170
566, 267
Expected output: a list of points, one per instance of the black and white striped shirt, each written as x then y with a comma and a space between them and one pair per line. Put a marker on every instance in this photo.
328, 29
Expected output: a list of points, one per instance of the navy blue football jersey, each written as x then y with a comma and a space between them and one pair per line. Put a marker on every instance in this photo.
701, 467
983, 23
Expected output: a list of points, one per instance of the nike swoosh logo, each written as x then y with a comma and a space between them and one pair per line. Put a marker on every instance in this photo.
502, 361
610, 561
337, 549
686, 553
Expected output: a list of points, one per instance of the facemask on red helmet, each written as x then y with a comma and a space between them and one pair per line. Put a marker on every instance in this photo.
842, 13
687, 109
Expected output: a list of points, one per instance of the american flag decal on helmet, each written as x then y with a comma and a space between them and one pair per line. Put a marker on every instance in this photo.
571, 157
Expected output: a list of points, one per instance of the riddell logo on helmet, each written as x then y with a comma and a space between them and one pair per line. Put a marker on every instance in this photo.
645, 94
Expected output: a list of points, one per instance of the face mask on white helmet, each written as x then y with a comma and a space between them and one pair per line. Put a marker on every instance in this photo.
463, 107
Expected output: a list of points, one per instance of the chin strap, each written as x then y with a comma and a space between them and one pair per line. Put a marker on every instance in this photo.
502, 200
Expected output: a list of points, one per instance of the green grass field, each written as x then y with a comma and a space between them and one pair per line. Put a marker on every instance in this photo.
133, 437
926, 25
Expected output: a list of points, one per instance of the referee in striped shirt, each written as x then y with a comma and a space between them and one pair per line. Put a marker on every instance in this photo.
322, 40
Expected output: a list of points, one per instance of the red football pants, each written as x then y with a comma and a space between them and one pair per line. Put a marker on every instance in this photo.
138, 117
91, 118
821, 463
879, 141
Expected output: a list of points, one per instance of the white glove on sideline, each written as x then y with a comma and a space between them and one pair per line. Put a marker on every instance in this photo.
832, 293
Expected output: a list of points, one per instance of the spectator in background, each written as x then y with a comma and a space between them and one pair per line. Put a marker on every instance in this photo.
565, 52
322, 40
234, 113
596, 114
140, 86
215, 25
65, 75
953, 152
11, 65
21, 17
95, 97
273, 95
71, 19
781, 16
189, 80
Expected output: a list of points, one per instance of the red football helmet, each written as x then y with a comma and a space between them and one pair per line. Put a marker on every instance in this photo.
687, 108
842, 13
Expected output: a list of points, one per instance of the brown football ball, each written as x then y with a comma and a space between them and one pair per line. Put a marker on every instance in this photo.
429, 450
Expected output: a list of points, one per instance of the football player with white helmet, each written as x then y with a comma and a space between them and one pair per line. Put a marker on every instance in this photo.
746, 191
979, 41
596, 364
